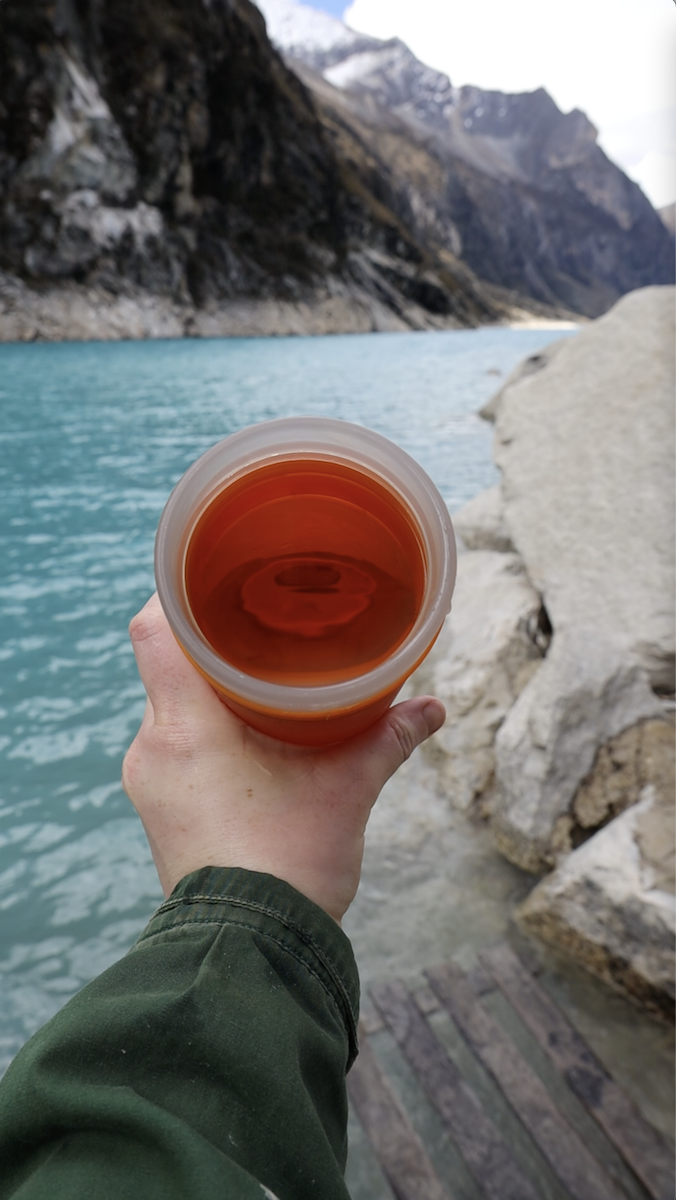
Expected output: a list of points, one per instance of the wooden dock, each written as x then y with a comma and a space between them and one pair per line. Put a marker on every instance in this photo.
577, 1137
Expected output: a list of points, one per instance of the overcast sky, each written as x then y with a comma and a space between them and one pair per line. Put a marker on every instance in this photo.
611, 58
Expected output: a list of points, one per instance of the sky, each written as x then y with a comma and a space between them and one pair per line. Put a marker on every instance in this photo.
611, 58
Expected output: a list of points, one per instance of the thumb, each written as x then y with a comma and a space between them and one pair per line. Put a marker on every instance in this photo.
383, 748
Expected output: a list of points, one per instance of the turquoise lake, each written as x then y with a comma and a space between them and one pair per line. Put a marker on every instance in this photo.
92, 439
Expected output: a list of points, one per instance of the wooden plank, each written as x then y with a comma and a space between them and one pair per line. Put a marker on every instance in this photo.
481, 980
426, 1001
567, 1154
487, 1156
397, 1146
370, 1022
641, 1146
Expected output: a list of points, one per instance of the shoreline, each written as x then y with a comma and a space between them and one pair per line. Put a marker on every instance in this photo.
533, 322
76, 312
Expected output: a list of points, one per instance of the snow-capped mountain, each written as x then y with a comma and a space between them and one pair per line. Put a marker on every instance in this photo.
493, 131
520, 190
385, 70
310, 35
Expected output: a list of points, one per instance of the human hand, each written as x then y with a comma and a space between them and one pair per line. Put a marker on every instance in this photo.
211, 791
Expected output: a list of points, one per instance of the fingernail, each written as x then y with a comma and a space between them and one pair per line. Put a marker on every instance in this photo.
434, 714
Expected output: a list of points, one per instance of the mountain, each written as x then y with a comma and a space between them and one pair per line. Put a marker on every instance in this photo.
517, 189
162, 172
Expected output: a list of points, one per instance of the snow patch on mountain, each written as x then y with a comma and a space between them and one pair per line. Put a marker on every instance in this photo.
385, 70
314, 37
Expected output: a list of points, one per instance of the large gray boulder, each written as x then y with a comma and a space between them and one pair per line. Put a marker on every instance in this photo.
487, 651
586, 447
611, 903
481, 522
584, 694
528, 366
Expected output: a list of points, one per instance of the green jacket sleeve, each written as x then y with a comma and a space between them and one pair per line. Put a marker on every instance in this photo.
209, 1062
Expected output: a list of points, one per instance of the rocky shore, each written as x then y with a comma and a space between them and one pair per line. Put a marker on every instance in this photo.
557, 662
76, 312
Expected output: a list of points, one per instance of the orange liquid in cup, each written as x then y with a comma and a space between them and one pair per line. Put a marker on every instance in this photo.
305, 572
305, 566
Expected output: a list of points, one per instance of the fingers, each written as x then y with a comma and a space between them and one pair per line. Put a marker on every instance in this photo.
382, 749
179, 696
172, 683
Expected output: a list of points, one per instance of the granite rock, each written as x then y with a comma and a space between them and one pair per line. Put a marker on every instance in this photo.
528, 366
610, 904
487, 651
585, 445
584, 693
481, 522
640, 756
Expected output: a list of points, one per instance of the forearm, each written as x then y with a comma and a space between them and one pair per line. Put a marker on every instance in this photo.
209, 1060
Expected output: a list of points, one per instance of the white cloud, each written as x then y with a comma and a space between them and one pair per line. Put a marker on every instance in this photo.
645, 145
611, 58
656, 175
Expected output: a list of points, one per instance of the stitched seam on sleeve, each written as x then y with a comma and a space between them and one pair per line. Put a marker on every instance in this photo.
270, 937
169, 905
255, 905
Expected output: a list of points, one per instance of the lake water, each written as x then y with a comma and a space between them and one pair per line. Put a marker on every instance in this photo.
93, 437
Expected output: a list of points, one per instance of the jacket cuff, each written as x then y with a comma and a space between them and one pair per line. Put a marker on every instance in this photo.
269, 906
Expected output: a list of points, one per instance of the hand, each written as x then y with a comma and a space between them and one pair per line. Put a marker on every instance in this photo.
210, 791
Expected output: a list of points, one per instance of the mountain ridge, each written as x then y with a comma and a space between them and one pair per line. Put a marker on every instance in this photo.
528, 198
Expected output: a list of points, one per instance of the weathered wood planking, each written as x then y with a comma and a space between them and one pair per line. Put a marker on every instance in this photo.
397, 1147
640, 1145
567, 1154
487, 1156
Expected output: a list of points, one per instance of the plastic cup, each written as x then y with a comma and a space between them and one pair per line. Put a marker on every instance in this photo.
306, 566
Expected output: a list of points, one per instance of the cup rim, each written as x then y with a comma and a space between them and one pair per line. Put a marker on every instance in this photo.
309, 438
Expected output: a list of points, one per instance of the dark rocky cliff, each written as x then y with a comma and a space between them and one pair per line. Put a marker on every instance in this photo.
162, 148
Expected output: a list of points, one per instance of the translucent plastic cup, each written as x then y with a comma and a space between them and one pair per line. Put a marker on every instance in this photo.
305, 567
